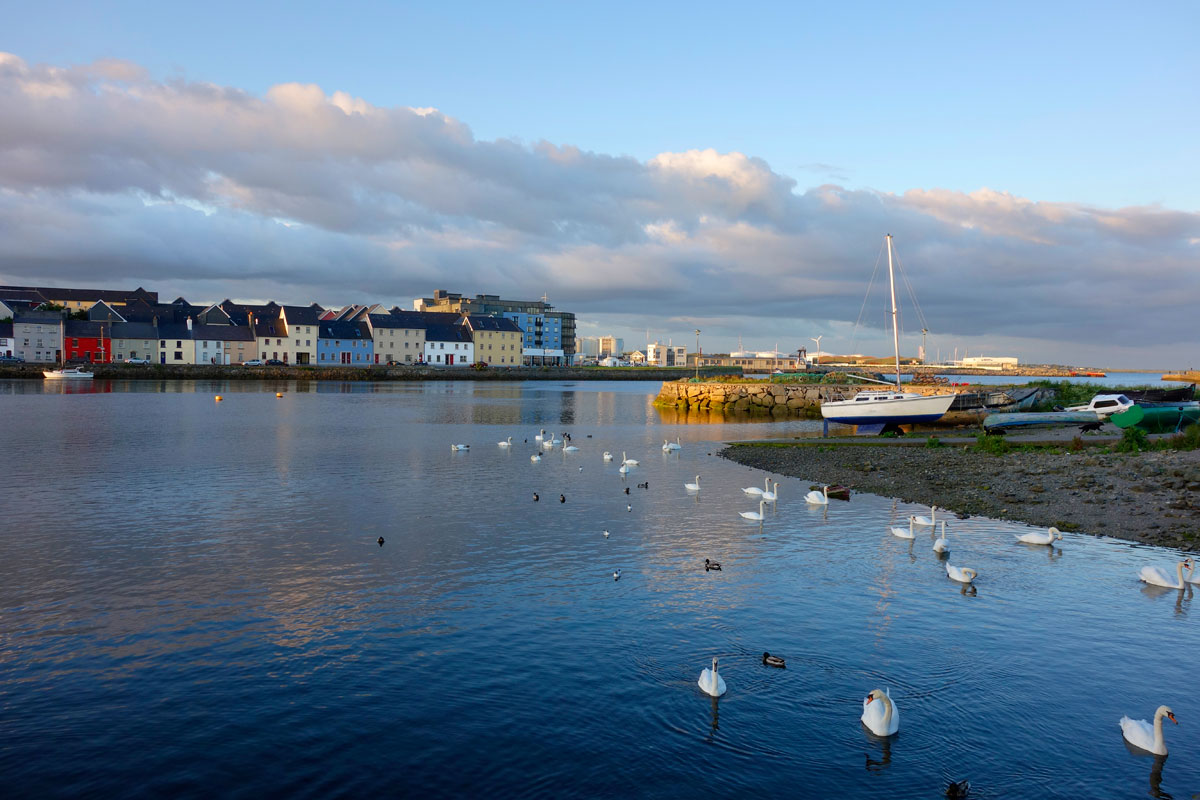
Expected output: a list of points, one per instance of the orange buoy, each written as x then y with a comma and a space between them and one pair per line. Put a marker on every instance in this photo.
218, 398
279, 394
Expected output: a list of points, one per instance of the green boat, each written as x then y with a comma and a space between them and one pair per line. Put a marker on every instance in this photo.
1166, 418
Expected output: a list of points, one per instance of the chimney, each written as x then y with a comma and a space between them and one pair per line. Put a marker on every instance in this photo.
189, 323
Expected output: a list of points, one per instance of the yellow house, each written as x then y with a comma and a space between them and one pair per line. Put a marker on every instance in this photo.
399, 336
497, 340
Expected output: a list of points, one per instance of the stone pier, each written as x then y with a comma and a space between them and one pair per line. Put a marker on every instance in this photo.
761, 398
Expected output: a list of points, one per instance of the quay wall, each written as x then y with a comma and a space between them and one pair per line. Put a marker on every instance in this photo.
774, 399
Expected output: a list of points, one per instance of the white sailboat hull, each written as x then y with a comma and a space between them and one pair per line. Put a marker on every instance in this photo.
65, 374
888, 408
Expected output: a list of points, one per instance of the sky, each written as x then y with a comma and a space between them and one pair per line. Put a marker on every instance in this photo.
652, 167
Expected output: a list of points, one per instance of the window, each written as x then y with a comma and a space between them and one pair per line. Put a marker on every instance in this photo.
74, 343
307, 342
179, 355
179, 344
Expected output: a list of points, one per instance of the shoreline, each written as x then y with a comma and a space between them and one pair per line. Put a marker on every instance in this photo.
159, 372
1149, 497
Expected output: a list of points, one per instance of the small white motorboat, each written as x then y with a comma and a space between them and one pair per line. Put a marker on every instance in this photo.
66, 373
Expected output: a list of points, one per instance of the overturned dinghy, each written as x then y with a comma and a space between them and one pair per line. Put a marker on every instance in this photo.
1032, 419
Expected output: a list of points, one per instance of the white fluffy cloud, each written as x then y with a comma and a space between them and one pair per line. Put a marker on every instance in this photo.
109, 176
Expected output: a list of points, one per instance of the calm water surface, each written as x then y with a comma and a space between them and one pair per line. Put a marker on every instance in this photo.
194, 604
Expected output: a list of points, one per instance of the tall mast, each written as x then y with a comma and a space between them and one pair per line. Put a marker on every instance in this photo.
895, 323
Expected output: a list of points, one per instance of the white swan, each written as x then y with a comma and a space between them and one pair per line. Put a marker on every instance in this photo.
1139, 733
754, 490
669, 446
930, 520
535, 458
772, 495
624, 469
1041, 538
460, 447
820, 498
711, 682
693, 487
1192, 577
903, 533
540, 436
666, 446
755, 515
1157, 576
961, 574
570, 448
632, 462
505, 443
607, 456
880, 714
555, 441
941, 545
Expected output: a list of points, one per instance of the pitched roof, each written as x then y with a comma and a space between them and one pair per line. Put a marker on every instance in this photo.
173, 330
85, 328
101, 310
134, 330
302, 315
223, 333
338, 329
33, 315
482, 323
440, 332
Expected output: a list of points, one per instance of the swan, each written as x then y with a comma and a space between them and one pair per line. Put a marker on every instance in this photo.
882, 719
711, 682
755, 489
774, 661
903, 533
607, 456
1192, 577
541, 435
631, 462
772, 495
460, 447
711, 565
506, 443
666, 446
616, 575
669, 446
941, 545
755, 515
1041, 538
930, 520
606, 534
624, 468
570, 449
1139, 733
820, 498
961, 574
553, 440
1156, 576
693, 487
535, 458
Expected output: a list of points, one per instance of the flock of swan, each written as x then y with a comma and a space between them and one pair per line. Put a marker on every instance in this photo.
879, 712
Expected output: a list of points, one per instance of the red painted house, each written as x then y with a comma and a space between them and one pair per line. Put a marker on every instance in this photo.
90, 342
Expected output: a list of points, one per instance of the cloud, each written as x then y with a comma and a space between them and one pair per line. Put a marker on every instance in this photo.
109, 175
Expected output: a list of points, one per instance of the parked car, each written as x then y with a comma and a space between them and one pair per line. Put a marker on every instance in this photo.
137, 361
394, 363
11, 360
254, 362
275, 362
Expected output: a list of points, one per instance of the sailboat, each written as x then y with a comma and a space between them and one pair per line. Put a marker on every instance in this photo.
891, 407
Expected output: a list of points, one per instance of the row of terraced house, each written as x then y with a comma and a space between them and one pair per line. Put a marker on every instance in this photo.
49, 325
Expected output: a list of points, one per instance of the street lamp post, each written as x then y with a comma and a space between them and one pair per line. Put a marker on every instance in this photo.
697, 354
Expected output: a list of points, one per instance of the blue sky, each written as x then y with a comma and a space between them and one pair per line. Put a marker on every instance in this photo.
1090, 105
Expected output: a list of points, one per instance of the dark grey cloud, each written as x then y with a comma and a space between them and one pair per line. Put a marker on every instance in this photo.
107, 175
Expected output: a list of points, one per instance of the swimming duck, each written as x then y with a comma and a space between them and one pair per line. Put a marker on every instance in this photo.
606, 534
710, 565
381, 541
562, 498
607, 456
774, 661
628, 507
535, 497
958, 790
626, 490
617, 575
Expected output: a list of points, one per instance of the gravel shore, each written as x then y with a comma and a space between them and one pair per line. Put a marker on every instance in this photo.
1144, 497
